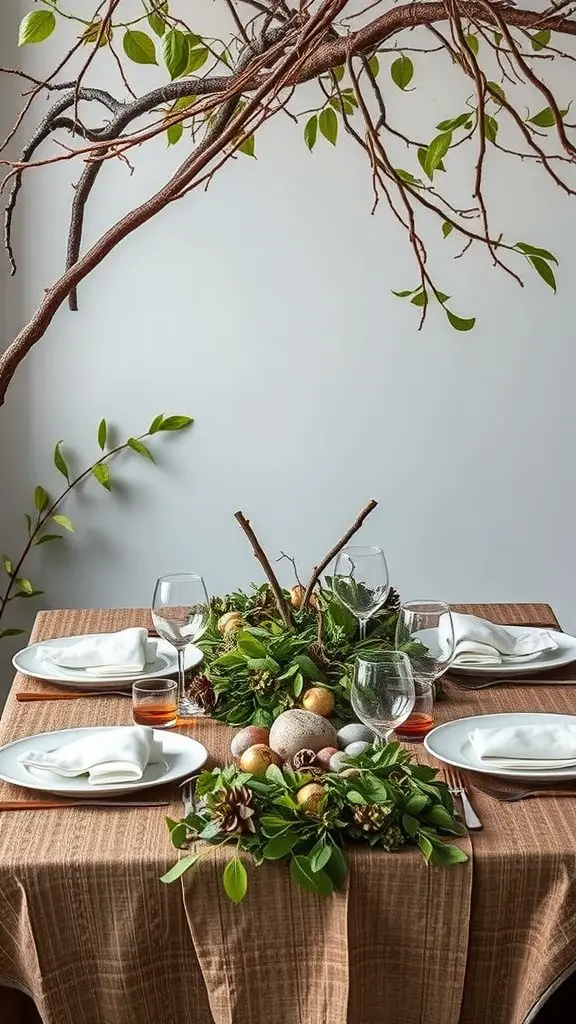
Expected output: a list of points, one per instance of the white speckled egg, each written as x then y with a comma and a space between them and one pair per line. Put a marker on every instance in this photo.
355, 732
353, 749
338, 761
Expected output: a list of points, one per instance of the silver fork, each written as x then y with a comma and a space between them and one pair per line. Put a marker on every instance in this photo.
457, 787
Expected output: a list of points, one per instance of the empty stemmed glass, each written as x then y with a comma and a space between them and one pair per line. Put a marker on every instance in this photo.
382, 692
361, 582
425, 632
181, 613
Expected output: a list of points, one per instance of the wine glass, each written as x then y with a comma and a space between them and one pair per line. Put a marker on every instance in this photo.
425, 631
181, 612
382, 692
361, 582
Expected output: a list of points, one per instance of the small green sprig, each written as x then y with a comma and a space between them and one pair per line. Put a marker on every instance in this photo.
382, 798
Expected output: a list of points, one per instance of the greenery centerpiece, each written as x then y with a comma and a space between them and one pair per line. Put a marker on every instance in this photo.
381, 798
264, 648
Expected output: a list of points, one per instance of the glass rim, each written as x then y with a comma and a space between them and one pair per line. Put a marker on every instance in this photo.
379, 657
360, 549
425, 603
149, 685
180, 575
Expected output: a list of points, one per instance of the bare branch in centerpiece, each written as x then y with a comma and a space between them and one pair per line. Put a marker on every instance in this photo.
259, 553
319, 569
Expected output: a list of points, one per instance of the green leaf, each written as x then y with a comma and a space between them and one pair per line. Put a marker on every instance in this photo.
402, 71
532, 250
472, 43
7, 564
174, 133
328, 124
338, 73
498, 38
184, 864
422, 154
36, 26
235, 880
425, 845
494, 87
25, 585
178, 833
249, 645
459, 323
454, 122
247, 147
139, 47
436, 152
25, 595
273, 825
46, 537
490, 127
10, 632
544, 269
315, 881
273, 774
416, 803
64, 522
445, 855
410, 825
311, 132
404, 294
102, 474
298, 684
94, 33
407, 178
545, 118
102, 434
279, 846
156, 423
41, 499
175, 423
136, 445
541, 39
60, 462
440, 817
337, 867
420, 299
374, 65
157, 23
183, 102
28, 523
175, 51
309, 668
446, 228
320, 854
196, 59
442, 298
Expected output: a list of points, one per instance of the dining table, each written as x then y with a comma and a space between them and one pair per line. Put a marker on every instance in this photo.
91, 935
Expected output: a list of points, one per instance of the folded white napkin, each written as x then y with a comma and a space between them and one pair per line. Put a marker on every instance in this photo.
526, 746
121, 653
113, 755
479, 642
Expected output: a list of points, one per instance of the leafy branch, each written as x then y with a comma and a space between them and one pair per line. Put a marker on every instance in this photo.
47, 510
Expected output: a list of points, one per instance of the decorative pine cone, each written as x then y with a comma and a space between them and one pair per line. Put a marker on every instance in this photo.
303, 760
371, 817
317, 652
232, 810
393, 601
202, 691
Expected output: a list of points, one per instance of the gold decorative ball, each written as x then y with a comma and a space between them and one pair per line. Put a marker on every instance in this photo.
296, 596
248, 737
225, 620
319, 700
309, 797
258, 758
233, 626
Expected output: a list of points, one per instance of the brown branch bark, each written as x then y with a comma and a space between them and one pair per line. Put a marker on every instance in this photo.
319, 569
260, 555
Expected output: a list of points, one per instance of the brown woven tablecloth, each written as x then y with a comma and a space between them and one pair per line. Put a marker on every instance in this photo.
89, 932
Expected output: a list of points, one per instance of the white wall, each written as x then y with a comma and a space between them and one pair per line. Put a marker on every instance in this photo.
263, 309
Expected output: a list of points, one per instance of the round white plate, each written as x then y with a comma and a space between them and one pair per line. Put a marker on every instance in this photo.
564, 654
181, 756
166, 663
450, 743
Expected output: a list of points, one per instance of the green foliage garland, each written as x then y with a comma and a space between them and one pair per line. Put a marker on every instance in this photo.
383, 798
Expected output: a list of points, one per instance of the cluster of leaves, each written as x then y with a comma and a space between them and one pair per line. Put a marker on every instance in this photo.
263, 668
408, 805
46, 514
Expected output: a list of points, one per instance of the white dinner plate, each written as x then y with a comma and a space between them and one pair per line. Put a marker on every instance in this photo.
181, 756
450, 743
564, 654
166, 663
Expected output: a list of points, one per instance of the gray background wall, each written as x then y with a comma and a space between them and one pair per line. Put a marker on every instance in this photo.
263, 308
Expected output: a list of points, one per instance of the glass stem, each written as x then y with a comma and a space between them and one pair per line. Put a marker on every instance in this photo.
381, 741
362, 628
181, 692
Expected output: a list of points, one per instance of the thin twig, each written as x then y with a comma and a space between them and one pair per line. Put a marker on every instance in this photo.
319, 569
260, 555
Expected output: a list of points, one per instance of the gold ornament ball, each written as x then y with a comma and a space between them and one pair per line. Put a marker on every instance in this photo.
226, 620
258, 758
248, 737
296, 596
309, 797
319, 700
233, 626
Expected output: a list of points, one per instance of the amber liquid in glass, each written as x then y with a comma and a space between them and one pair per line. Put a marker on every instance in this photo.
416, 727
159, 716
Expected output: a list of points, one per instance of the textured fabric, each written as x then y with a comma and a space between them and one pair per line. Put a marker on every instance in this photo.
88, 930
